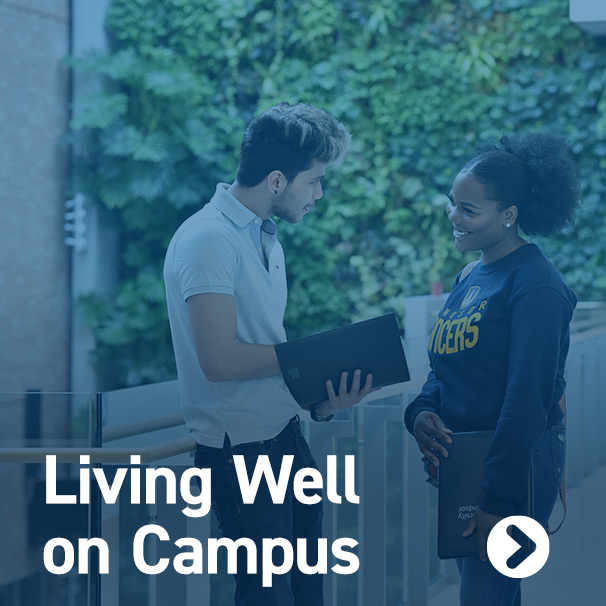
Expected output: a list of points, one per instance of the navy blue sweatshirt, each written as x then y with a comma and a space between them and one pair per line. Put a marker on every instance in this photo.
497, 354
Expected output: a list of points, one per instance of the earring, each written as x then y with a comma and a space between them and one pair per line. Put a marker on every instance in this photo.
275, 191
507, 224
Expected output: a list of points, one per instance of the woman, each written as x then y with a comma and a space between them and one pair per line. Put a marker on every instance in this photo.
499, 346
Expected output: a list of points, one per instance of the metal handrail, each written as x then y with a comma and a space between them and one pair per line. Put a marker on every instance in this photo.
585, 335
135, 429
148, 454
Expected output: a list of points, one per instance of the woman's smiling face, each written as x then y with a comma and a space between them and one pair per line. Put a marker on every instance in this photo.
478, 222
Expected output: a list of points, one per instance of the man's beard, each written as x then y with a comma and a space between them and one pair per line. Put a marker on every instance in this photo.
283, 208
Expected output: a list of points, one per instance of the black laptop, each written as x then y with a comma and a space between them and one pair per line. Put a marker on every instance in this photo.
373, 346
460, 493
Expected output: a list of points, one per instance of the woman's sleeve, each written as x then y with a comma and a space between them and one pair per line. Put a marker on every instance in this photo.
539, 340
428, 399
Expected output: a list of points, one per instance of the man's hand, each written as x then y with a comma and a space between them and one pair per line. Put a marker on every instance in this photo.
345, 399
431, 434
482, 522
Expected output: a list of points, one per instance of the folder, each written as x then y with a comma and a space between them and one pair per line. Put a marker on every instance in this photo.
373, 346
460, 492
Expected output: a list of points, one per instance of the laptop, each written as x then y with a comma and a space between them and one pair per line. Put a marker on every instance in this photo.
460, 493
373, 346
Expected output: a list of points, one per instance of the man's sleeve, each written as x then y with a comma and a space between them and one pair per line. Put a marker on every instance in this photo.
205, 262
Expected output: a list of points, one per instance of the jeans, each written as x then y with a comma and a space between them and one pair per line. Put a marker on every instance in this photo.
264, 519
483, 585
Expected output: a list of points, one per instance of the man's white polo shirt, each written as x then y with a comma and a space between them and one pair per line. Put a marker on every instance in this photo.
225, 248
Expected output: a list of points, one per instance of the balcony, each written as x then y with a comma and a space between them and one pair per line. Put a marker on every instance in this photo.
394, 522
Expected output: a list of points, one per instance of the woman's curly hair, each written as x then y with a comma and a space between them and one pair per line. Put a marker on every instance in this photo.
534, 172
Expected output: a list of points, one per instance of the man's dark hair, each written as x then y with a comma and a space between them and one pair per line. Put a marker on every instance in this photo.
289, 138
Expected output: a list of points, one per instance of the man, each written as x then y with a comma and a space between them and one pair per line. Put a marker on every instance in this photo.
226, 293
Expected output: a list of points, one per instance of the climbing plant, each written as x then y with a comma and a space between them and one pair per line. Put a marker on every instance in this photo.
419, 83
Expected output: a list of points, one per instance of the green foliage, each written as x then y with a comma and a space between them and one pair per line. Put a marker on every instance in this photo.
420, 85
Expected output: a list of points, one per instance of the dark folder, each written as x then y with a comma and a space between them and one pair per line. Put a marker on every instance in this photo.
373, 346
460, 492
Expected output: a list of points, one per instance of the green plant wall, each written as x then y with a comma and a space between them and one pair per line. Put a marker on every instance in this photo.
420, 83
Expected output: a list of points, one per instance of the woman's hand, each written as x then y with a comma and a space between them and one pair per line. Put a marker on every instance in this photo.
482, 522
431, 434
345, 399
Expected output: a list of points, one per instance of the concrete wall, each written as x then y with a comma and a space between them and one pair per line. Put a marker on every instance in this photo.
34, 271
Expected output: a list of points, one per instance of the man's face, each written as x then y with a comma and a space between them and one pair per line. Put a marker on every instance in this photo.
300, 195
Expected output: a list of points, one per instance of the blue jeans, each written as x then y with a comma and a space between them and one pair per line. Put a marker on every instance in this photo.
481, 584
264, 519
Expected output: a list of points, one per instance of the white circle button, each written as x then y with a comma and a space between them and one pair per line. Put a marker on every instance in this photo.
501, 546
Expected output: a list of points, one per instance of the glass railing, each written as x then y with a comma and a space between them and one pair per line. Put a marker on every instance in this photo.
31, 425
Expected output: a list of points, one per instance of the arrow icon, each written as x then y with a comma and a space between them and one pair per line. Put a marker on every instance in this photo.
504, 550
523, 541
